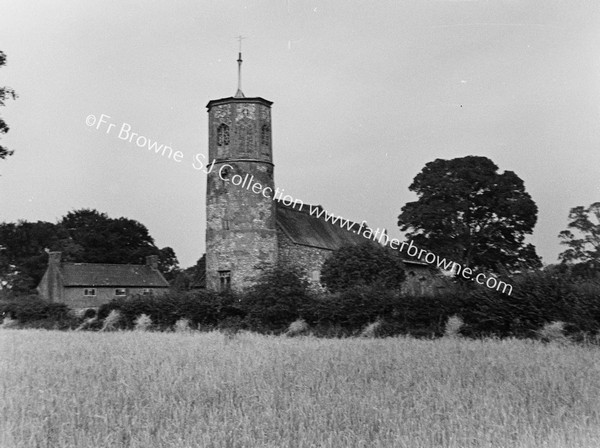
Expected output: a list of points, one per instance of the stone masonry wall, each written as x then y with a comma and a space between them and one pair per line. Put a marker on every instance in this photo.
240, 227
311, 259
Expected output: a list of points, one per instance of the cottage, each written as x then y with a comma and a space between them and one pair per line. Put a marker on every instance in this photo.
89, 285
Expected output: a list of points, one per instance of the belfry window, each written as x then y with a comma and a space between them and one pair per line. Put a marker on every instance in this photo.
225, 280
265, 135
223, 135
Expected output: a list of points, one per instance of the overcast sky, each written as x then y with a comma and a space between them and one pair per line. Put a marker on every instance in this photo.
365, 94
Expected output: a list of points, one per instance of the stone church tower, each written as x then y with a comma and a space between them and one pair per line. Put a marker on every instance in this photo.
247, 225
241, 224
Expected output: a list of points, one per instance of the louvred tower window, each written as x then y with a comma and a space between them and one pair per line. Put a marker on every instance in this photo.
223, 135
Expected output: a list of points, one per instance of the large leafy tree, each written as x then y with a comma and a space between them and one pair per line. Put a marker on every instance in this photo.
168, 264
5, 93
23, 256
583, 245
108, 240
469, 212
84, 236
115, 240
363, 264
193, 277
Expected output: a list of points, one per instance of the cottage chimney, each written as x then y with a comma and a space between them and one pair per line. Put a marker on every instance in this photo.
152, 261
54, 258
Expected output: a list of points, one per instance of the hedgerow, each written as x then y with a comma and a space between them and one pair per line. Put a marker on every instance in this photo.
283, 295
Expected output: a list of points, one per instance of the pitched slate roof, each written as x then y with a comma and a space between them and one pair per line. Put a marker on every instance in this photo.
96, 274
308, 230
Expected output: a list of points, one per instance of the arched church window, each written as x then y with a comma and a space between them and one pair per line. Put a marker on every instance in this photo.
223, 135
265, 135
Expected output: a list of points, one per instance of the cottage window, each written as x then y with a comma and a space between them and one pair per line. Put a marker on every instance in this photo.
225, 280
146, 292
120, 292
223, 135
89, 292
316, 275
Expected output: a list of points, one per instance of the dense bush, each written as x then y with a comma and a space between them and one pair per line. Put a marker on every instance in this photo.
282, 296
352, 308
277, 299
362, 265
201, 308
538, 298
32, 311
349, 311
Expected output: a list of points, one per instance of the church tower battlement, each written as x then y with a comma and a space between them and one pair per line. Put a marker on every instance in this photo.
241, 231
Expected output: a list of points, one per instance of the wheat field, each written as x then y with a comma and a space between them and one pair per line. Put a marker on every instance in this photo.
146, 390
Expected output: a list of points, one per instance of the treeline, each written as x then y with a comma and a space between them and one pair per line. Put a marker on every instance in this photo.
83, 236
282, 296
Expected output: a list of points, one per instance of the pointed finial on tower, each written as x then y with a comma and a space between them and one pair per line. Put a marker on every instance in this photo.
239, 93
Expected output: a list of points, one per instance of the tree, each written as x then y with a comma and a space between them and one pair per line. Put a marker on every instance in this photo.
115, 240
108, 240
586, 248
277, 298
168, 264
363, 264
193, 277
83, 236
5, 93
23, 257
470, 213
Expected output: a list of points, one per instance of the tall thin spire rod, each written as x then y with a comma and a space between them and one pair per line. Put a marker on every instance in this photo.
239, 93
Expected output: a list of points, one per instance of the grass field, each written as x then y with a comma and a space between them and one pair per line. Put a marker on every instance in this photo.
133, 389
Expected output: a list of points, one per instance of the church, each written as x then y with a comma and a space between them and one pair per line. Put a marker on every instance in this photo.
250, 227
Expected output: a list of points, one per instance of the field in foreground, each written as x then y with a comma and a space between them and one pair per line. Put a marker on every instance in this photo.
132, 389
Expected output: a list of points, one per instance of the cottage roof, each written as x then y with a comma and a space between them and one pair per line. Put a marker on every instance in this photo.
309, 230
124, 275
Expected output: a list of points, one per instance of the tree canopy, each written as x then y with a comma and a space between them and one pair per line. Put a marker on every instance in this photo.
277, 296
584, 245
83, 236
469, 212
107, 240
5, 93
363, 264
193, 277
23, 258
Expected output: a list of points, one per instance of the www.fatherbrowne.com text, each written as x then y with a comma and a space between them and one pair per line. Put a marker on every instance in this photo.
248, 182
